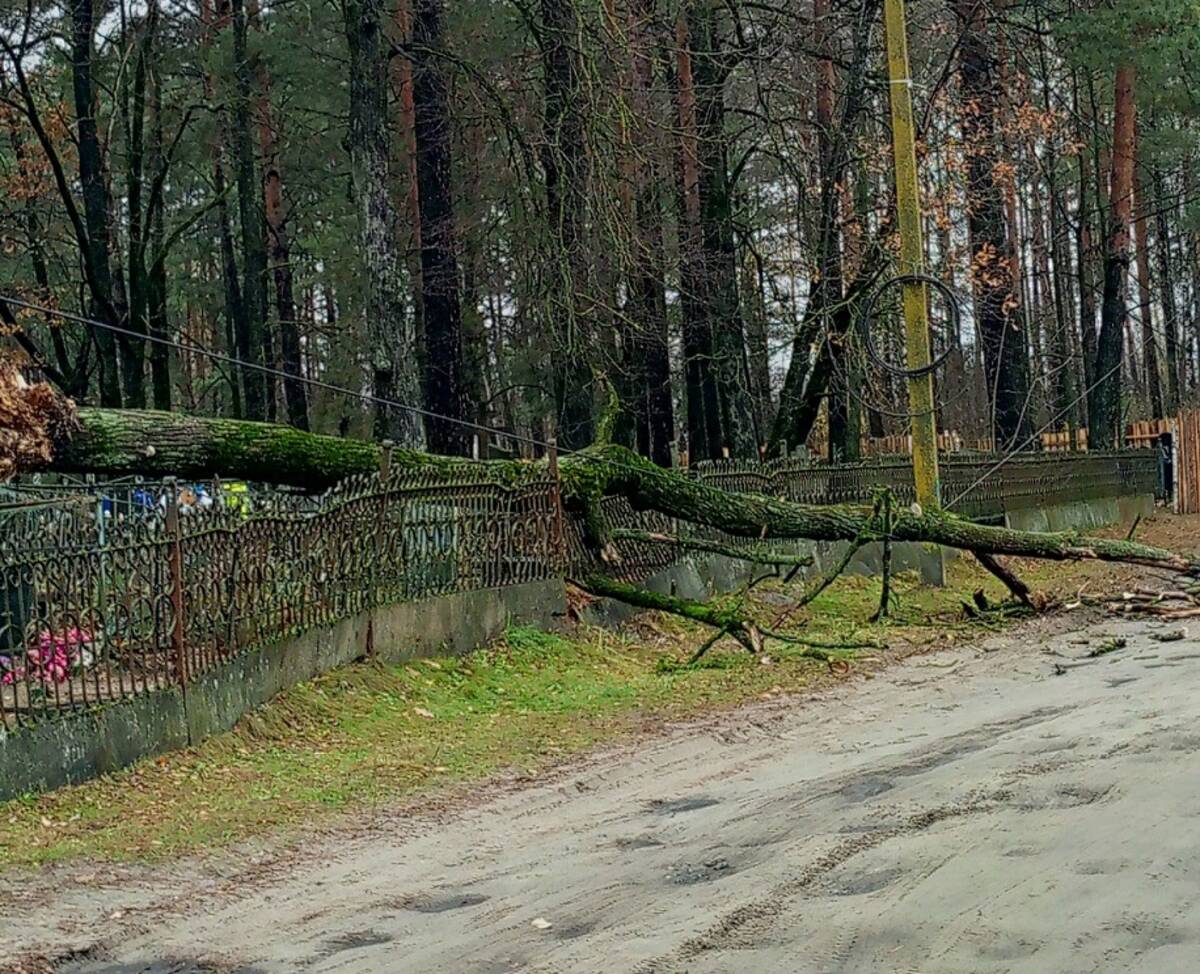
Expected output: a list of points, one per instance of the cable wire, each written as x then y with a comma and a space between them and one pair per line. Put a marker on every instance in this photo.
272, 371
864, 324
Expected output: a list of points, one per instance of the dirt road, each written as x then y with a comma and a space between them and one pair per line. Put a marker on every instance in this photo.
969, 811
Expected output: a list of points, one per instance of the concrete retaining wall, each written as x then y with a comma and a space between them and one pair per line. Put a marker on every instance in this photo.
81, 746
1082, 515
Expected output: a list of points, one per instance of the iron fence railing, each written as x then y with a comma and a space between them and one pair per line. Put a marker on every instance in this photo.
161, 598
978, 486
115, 590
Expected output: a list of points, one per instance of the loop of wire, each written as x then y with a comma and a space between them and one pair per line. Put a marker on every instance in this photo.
864, 324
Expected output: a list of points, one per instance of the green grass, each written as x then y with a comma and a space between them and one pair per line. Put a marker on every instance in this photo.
369, 734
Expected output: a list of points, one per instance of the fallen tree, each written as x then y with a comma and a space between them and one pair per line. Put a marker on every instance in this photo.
166, 444
121, 442
57, 437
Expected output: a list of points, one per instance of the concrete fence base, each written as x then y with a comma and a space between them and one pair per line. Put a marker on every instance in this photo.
79, 746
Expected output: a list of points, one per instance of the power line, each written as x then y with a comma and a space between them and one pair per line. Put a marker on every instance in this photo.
318, 383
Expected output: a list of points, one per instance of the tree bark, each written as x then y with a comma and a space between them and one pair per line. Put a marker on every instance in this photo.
566, 165
132, 101
829, 313
1166, 286
648, 285
1065, 383
1145, 304
94, 185
703, 414
830, 284
393, 352
992, 253
295, 394
1085, 256
717, 280
1104, 408
445, 381
253, 343
236, 339
156, 278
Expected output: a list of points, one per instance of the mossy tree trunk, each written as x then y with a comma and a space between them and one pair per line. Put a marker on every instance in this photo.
121, 442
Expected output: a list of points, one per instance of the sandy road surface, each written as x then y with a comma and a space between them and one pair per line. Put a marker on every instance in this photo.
969, 811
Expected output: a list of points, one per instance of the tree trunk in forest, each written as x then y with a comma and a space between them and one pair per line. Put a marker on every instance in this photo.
94, 184
131, 97
758, 341
1085, 256
1145, 305
843, 442
236, 334
567, 168
406, 123
717, 283
479, 345
829, 315
1104, 408
1039, 320
236, 337
648, 295
253, 343
1067, 379
73, 369
393, 352
295, 394
1166, 285
992, 254
703, 413
1065, 382
445, 381
156, 278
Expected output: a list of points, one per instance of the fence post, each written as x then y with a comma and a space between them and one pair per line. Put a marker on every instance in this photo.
175, 565
385, 460
558, 540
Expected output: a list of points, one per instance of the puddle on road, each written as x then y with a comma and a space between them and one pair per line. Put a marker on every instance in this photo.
638, 842
681, 805
861, 789
440, 904
355, 940
864, 883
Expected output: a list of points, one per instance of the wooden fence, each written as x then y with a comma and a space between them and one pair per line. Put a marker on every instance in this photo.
1186, 461
949, 441
1061, 441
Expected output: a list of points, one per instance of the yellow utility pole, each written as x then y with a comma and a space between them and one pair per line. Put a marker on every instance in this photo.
912, 258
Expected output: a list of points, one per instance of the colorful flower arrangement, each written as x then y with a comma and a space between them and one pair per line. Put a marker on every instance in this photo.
52, 660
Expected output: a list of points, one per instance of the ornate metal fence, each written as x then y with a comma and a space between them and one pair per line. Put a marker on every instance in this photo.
977, 486
159, 597
114, 591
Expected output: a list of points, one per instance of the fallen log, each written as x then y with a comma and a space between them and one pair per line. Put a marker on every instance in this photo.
121, 442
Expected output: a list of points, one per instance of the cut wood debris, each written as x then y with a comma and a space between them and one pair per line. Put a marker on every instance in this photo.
1161, 604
